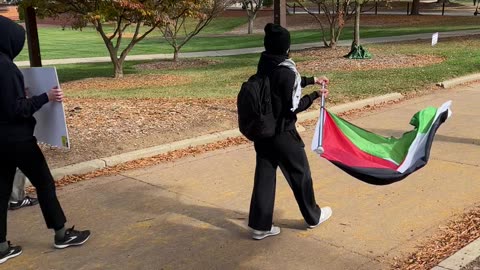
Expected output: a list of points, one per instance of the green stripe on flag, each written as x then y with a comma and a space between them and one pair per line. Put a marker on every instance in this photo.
423, 119
394, 149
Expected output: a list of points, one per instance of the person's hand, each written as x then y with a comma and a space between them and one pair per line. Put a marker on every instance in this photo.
55, 95
323, 91
322, 80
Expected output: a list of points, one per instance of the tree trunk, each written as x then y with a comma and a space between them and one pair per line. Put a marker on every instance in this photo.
250, 24
415, 7
175, 54
356, 31
333, 42
118, 69
117, 62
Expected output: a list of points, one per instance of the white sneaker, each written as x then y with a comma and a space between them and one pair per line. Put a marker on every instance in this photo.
259, 235
326, 213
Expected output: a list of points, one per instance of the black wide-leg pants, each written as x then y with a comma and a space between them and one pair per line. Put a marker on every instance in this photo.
28, 157
285, 150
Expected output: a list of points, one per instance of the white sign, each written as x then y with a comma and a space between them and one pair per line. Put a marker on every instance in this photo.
51, 126
434, 39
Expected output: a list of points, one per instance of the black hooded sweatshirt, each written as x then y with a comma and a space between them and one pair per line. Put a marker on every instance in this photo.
282, 81
16, 110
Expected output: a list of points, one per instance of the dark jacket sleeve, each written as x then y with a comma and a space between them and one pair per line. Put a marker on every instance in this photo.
13, 102
26, 107
286, 81
306, 101
306, 81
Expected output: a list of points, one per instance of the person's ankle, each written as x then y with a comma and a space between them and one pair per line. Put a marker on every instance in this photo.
60, 233
3, 246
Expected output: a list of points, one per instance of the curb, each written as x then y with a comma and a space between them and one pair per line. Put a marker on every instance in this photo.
96, 164
461, 258
460, 80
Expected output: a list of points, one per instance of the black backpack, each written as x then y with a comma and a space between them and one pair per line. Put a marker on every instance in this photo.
254, 105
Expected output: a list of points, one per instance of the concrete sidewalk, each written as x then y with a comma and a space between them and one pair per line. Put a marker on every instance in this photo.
192, 214
425, 36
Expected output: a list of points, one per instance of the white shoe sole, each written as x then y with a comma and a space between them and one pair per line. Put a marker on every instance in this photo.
325, 218
70, 245
10, 257
260, 237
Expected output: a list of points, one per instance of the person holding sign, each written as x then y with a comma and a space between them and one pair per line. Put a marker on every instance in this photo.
18, 146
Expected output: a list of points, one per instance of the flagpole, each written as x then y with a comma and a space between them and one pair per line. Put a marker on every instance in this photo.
319, 149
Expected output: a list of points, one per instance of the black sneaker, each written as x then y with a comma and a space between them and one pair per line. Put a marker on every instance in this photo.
11, 252
72, 238
27, 201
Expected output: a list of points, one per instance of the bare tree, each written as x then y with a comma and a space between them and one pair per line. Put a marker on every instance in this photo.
177, 32
252, 7
335, 12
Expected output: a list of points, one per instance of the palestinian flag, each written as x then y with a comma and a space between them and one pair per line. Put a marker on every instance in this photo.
376, 159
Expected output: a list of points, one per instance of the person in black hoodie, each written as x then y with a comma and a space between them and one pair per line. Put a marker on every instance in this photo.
18, 146
286, 148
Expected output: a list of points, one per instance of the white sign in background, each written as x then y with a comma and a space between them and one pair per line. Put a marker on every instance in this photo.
434, 39
51, 125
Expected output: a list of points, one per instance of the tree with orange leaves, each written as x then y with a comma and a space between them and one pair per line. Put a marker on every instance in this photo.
143, 15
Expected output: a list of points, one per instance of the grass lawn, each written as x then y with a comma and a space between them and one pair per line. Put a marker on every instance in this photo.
57, 43
222, 80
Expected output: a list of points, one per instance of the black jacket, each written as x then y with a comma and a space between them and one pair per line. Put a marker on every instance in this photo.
282, 81
16, 110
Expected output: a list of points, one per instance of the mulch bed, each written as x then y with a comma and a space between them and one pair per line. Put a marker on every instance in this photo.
127, 82
333, 60
105, 127
180, 64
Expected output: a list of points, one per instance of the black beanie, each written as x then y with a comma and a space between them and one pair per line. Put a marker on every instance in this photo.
277, 39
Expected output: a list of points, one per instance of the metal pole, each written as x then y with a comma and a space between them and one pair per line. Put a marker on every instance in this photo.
319, 149
443, 8
376, 7
408, 8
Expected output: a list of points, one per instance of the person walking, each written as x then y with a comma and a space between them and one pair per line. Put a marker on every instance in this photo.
19, 148
286, 148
